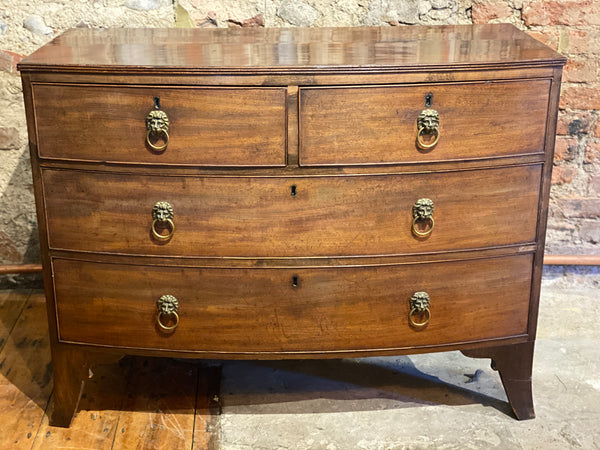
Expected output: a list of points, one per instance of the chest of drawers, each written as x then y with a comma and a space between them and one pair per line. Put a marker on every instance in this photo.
292, 193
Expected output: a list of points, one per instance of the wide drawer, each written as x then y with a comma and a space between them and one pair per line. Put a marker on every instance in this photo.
290, 216
378, 125
260, 310
207, 126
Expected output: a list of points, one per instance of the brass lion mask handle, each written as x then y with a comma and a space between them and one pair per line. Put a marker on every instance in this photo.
428, 123
419, 307
167, 309
157, 125
163, 215
422, 212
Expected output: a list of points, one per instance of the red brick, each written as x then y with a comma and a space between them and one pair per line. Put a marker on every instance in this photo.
256, 21
252, 22
548, 37
9, 60
9, 138
563, 175
565, 148
580, 97
573, 124
484, 12
580, 207
590, 231
561, 13
592, 152
560, 225
583, 41
595, 184
581, 70
8, 250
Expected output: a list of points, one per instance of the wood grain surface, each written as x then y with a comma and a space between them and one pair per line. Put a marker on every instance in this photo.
96, 417
158, 412
374, 125
11, 305
514, 363
25, 372
259, 310
208, 126
291, 50
258, 217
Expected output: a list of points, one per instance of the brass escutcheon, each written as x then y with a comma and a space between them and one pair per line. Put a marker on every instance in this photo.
419, 304
428, 123
157, 124
167, 306
422, 211
163, 214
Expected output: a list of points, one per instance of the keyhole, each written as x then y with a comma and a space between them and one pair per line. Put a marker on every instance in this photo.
156, 102
428, 100
293, 190
295, 281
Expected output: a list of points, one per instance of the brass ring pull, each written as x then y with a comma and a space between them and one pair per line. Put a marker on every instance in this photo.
428, 122
167, 306
167, 327
422, 212
163, 214
414, 311
158, 148
422, 233
419, 304
422, 145
157, 124
163, 237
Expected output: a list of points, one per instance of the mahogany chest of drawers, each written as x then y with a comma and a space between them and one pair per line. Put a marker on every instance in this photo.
292, 193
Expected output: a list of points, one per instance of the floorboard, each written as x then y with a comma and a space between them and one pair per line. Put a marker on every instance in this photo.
25, 374
159, 409
11, 305
95, 423
208, 408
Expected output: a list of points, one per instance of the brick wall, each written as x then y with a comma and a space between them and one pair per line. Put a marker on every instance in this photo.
572, 28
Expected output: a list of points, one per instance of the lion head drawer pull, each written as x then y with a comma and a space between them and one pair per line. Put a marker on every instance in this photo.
157, 124
167, 310
428, 123
422, 212
162, 212
419, 306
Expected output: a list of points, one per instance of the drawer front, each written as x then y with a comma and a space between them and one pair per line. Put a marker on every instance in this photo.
378, 125
259, 217
259, 310
207, 126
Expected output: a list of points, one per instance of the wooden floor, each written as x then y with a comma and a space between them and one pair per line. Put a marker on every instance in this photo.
137, 403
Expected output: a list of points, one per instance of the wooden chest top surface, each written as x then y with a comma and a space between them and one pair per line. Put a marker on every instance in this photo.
290, 50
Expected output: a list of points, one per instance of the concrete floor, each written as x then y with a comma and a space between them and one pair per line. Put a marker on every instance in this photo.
433, 401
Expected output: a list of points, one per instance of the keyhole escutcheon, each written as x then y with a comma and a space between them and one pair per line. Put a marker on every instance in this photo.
428, 100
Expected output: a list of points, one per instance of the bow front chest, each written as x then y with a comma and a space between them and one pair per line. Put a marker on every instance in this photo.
292, 193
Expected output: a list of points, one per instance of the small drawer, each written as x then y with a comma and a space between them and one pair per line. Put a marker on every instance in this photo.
378, 125
236, 310
206, 126
221, 216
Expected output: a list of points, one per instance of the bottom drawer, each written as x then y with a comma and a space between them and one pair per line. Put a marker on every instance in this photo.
237, 310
